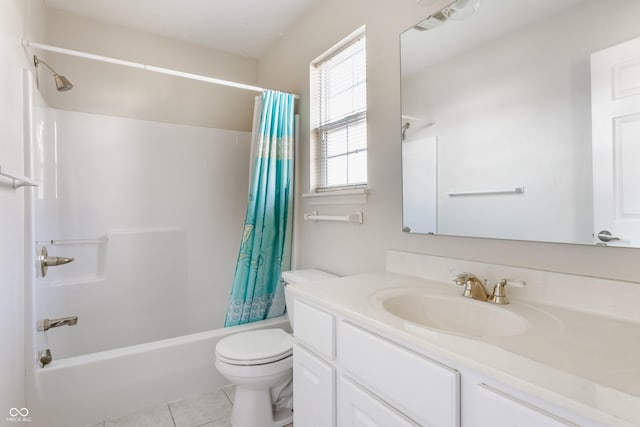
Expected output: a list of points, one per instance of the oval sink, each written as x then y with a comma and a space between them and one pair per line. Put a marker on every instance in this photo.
454, 314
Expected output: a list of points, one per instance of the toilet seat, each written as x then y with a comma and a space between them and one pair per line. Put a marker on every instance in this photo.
254, 372
255, 347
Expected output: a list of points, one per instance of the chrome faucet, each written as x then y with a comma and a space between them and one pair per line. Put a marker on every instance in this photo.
473, 287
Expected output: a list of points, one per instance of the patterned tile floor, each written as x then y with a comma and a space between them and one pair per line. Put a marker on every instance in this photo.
207, 410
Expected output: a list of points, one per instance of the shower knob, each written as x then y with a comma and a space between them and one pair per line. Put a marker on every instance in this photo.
50, 261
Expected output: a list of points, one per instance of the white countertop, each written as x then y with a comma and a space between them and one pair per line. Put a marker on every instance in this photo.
589, 364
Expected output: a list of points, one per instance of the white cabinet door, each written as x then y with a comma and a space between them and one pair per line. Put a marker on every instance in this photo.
313, 390
358, 408
498, 409
615, 104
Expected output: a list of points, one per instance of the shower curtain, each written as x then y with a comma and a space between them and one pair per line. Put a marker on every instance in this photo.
265, 247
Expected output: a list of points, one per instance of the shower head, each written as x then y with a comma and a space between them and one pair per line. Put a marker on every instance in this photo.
62, 83
404, 129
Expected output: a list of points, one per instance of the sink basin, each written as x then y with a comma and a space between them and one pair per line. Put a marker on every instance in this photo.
453, 314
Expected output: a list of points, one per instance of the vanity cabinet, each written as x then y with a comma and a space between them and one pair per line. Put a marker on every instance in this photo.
345, 375
371, 381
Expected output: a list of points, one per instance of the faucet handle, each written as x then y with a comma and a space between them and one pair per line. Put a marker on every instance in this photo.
499, 295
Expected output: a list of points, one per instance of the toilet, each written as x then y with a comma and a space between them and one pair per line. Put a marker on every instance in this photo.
260, 364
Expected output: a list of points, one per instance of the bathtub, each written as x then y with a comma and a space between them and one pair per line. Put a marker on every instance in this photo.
84, 390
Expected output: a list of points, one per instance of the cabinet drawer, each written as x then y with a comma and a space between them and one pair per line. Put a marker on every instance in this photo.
505, 410
425, 390
315, 329
357, 407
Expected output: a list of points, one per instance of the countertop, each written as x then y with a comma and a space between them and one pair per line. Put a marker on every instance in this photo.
587, 363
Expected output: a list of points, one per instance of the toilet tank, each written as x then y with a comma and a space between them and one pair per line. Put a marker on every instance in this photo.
301, 276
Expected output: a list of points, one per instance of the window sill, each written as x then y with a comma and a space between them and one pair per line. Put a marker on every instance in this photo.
355, 196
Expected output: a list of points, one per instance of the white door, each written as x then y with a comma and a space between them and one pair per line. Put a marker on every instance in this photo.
615, 99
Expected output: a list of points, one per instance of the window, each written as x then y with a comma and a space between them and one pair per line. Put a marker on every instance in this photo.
339, 116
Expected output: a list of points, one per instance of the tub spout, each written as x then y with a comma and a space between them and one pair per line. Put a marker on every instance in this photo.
46, 324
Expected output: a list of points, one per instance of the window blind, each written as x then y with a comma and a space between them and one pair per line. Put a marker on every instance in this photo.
339, 100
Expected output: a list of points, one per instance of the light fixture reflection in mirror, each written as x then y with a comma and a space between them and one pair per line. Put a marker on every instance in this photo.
459, 10
516, 92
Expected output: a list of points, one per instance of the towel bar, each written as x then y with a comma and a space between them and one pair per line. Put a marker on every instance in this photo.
18, 181
354, 217
516, 190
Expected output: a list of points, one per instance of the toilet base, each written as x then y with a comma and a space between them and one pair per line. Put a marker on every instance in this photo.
250, 407
283, 417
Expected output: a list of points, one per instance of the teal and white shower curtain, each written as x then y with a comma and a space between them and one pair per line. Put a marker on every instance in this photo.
265, 248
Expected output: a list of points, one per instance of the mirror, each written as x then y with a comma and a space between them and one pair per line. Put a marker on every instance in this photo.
521, 120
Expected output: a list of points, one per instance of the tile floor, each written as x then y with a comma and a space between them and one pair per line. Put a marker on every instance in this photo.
207, 410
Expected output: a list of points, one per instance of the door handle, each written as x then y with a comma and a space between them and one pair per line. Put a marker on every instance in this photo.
605, 236
50, 261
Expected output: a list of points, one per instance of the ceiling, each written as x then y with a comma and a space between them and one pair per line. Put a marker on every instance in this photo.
243, 27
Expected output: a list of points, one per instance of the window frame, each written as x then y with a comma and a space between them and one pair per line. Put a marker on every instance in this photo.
318, 159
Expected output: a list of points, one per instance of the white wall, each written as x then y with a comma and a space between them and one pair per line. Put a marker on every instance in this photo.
121, 91
153, 215
349, 248
17, 18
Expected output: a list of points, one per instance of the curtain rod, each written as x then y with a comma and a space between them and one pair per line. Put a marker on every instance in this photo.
27, 43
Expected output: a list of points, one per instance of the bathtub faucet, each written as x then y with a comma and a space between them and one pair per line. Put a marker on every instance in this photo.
46, 324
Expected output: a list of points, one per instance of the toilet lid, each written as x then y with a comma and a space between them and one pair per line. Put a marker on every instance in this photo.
255, 347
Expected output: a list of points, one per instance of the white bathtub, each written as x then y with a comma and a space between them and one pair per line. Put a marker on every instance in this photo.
87, 389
